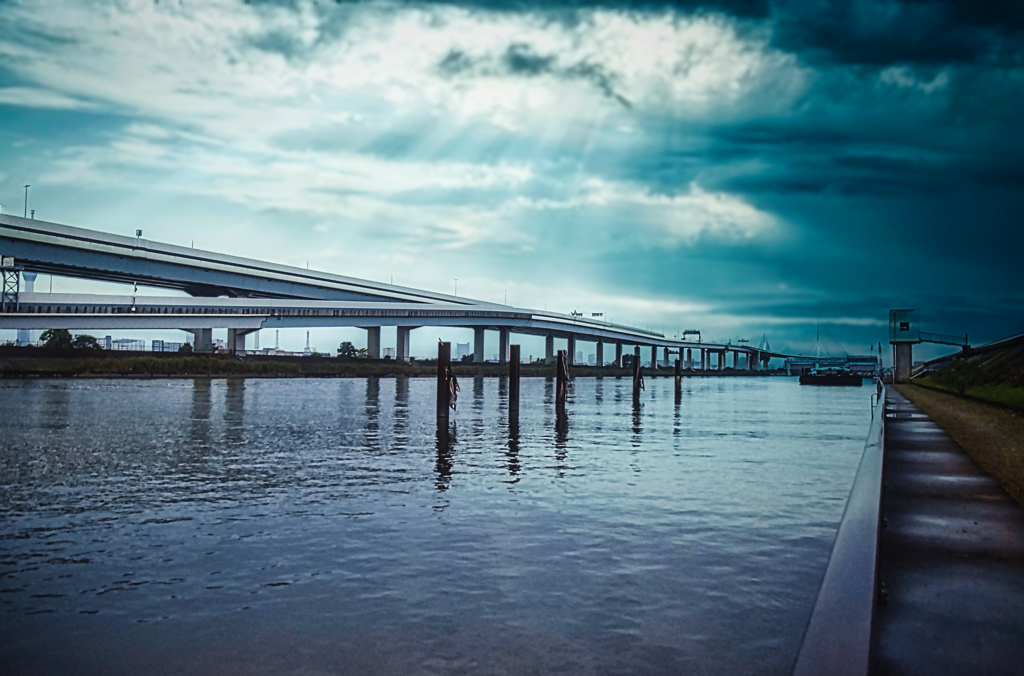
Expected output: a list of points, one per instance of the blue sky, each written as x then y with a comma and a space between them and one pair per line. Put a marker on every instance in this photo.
744, 167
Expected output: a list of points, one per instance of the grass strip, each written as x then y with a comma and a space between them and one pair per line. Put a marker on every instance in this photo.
993, 436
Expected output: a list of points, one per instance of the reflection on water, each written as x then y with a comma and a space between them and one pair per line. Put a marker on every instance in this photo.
512, 454
445, 451
198, 526
202, 404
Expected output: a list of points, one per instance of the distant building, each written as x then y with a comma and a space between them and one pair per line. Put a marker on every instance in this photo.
861, 365
165, 346
579, 357
592, 359
462, 350
105, 342
865, 365
391, 352
128, 345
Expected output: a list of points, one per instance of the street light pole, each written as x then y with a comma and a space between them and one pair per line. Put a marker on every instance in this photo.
25, 215
456, 286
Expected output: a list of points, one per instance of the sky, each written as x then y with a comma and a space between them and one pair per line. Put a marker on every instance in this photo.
747, 168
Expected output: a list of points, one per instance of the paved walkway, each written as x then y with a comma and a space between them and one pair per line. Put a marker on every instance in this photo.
951, 557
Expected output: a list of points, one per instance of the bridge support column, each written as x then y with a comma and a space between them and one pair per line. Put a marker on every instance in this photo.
904, 362
689, 358
372, 342
503, 345
402, 348
25, 335
202, 340
735, 359
236, 340
571, 357
599, 357
618, 355
666, 361
722, 356
478, 344
549, 349
654, 356
701, 353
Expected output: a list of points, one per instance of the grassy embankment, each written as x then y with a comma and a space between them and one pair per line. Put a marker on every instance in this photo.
996, 376
992, 435
979, 400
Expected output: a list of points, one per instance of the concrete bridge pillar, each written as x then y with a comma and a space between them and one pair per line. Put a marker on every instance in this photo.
549, 349
689, 358
25, 335
202, 340
654, 356
571, 357
503, 345
701, 352
599, 357
372, 342
735, 359
618, 355
403, 353
666, 357
722, 356
904, 362
478, 344
236, 340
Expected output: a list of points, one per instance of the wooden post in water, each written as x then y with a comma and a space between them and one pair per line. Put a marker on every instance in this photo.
444, 368
561, 380
513, 383
638, 376
679, 374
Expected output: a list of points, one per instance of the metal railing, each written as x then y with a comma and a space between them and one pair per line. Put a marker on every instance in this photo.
838, 636
943, 338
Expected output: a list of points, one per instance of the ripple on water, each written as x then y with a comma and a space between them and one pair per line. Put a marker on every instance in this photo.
177, 525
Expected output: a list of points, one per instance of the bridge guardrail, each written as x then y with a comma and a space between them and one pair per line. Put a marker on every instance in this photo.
838, 636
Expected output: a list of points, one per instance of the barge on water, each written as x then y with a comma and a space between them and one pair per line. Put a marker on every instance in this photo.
831, 376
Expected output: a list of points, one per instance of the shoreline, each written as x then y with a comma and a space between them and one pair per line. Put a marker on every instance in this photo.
78, 363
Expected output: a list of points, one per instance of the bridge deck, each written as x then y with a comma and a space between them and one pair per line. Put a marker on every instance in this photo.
951, 557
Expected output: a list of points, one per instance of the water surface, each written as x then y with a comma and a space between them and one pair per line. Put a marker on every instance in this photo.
323, 526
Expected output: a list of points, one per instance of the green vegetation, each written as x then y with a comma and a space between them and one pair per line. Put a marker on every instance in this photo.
145, 366
85, 342
996, 376
56, 338
347, 350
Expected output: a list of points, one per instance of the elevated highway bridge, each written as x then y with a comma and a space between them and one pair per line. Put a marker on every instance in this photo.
244, 295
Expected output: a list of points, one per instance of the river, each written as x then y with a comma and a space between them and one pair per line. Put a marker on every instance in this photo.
322, 526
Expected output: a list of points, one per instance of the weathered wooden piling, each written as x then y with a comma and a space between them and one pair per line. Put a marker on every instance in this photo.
679, 375
444, 390
638, 376
561, 380
513, 383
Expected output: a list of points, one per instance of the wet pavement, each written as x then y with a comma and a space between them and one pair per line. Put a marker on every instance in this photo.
951, 557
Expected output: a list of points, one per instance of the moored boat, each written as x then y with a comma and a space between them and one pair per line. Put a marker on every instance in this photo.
831, 376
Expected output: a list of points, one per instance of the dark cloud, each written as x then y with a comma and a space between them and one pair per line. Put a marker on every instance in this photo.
888, 31
520, 60
757, 9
